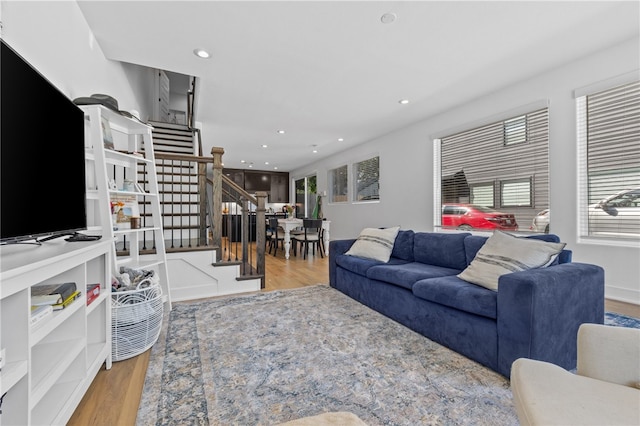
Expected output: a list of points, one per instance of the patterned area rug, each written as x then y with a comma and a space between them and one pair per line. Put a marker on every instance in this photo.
267, 358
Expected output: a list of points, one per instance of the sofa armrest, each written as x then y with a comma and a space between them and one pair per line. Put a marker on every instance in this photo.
609, 353
337, 248
540, 311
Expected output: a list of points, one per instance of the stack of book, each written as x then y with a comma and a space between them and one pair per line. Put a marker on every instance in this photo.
58, 296
38, 313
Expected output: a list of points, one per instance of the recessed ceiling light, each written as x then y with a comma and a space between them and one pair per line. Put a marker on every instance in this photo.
315, 151
264, 145
266, 163
340, 139
403, 101
242, 161
281, 132
388, 18
275, 167
201, 53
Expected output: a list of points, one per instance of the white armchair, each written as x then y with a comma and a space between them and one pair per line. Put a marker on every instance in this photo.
604, 391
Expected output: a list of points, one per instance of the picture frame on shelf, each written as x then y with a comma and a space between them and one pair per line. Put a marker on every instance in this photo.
123, 208
107, 136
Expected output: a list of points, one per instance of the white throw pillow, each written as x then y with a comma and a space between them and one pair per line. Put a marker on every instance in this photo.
503, 253
375, 243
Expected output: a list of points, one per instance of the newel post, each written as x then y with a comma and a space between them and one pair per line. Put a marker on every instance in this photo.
216, 219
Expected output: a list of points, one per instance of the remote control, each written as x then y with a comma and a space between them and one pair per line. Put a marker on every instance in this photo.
82, 237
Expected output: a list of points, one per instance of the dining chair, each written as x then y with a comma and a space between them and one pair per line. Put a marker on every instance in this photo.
275, 235
310, 237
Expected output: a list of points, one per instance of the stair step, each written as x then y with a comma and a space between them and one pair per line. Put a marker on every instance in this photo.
164, 125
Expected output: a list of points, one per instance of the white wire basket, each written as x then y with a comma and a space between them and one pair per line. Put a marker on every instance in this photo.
136, 320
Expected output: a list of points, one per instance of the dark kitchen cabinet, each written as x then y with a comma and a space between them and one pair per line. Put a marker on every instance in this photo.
279, 192
276, 184
257, 181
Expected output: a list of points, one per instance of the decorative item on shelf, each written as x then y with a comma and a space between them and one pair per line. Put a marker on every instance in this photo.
128, 185
135, 223
106, 134
123, 208
288, 211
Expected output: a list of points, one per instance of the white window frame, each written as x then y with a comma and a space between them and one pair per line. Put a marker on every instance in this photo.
583, 198
513, 113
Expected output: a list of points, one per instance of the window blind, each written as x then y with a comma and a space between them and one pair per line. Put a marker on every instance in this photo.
503, 165
338, 181
608, 132
366, 178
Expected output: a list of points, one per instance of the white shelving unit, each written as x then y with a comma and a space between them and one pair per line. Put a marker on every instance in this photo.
108, 170
49, 365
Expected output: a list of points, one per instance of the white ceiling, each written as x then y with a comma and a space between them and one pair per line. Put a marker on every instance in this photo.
323, 70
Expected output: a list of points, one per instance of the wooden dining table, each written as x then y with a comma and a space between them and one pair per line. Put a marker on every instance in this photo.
292, 223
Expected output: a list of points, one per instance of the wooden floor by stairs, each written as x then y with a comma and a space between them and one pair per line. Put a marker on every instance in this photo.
114, 395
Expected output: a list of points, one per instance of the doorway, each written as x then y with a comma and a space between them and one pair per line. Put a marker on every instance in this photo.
306, 197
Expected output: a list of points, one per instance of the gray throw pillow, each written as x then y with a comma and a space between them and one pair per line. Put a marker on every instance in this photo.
504, 253
375, 243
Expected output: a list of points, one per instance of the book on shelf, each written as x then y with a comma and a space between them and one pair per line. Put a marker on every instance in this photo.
40, 312
51, 294
69, 300
93, 291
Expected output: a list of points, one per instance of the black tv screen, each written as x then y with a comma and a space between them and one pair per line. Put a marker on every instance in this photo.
42, 165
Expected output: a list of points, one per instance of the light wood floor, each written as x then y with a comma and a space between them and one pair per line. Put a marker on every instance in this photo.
114, 395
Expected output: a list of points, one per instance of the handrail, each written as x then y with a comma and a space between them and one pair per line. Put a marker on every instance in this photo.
210, 195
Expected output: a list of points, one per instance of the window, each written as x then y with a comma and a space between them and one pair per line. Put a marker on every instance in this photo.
366, 175
515, 130
338, 185
502, 166
516, 193
482, 194
609, 162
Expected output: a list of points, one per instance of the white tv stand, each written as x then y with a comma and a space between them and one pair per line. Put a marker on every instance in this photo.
49, 366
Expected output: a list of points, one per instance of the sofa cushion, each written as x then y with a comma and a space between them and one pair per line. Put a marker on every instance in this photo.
405, 275
473, 243
504, 253
456, 293
440, 249
403, 246
360, 265
375, 243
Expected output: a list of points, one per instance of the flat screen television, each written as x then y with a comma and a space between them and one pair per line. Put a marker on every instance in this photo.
42, 165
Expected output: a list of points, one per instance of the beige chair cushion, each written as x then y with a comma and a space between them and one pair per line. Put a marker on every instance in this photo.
340, 418
545, 394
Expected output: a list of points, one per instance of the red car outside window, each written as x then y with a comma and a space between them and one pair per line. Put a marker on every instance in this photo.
469, 216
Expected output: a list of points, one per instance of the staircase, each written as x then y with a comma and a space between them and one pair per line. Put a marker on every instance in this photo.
196, 267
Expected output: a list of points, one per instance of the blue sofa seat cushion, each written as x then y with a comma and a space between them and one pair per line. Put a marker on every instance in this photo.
405, 275
440, 249
456, 293
360, 265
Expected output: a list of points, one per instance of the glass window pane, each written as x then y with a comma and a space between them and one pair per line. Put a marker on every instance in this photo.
502, 165
366, 179
338, 185
609, 150
516, 193
482, 195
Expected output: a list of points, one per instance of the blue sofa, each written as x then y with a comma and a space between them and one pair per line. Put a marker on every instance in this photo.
534, 314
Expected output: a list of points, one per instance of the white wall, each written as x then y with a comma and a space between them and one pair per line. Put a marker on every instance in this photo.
406, 164
55, 38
